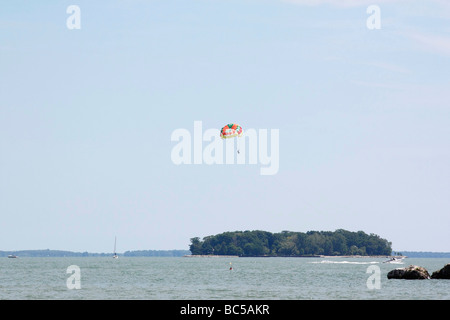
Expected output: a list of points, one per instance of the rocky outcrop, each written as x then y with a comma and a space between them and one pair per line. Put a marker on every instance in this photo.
444, 273
409, 273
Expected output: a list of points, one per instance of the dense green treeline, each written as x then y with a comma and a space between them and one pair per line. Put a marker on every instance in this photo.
287, 243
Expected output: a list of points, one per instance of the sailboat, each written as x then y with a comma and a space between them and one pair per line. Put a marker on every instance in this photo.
115, 256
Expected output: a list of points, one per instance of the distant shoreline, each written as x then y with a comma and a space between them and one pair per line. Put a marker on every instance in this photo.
186, 253
64, 253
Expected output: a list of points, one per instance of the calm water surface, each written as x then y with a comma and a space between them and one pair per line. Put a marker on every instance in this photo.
210, 278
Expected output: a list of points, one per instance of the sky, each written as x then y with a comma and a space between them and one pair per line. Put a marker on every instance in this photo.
89, 101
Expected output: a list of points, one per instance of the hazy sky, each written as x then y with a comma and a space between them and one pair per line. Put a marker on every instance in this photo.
86, 118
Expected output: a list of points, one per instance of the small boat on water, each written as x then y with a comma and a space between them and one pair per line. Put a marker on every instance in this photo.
394, 260
12, 256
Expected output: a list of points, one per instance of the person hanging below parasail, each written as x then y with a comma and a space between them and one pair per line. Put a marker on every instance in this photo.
232, 130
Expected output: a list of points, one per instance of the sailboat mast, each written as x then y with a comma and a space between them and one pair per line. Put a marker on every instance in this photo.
115, 254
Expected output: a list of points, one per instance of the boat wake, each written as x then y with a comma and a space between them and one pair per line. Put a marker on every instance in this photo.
346, 262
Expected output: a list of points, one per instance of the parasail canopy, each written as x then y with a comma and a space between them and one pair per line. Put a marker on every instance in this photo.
231, 130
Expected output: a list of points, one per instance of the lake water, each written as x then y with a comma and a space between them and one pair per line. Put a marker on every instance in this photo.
155, 278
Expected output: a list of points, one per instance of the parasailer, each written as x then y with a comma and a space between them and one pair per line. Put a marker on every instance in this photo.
231, 130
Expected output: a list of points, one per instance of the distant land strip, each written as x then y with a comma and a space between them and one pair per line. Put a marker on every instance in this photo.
63, 253
426, 254
172, 253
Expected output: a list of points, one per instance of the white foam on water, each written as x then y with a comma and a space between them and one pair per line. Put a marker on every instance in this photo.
346, 262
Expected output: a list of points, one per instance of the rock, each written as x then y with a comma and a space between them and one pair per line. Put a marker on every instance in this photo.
409, 273
444, 273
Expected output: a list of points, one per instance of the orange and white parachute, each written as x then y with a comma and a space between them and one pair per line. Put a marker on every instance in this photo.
231, 130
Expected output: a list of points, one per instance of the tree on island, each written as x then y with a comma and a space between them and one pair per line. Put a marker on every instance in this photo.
291, 244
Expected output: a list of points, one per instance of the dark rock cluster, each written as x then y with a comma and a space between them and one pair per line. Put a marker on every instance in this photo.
415, 272
444, 273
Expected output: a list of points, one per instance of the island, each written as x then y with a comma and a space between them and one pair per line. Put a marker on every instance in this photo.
259, 243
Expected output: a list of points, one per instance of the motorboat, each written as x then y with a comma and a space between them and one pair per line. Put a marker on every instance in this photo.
394, 260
